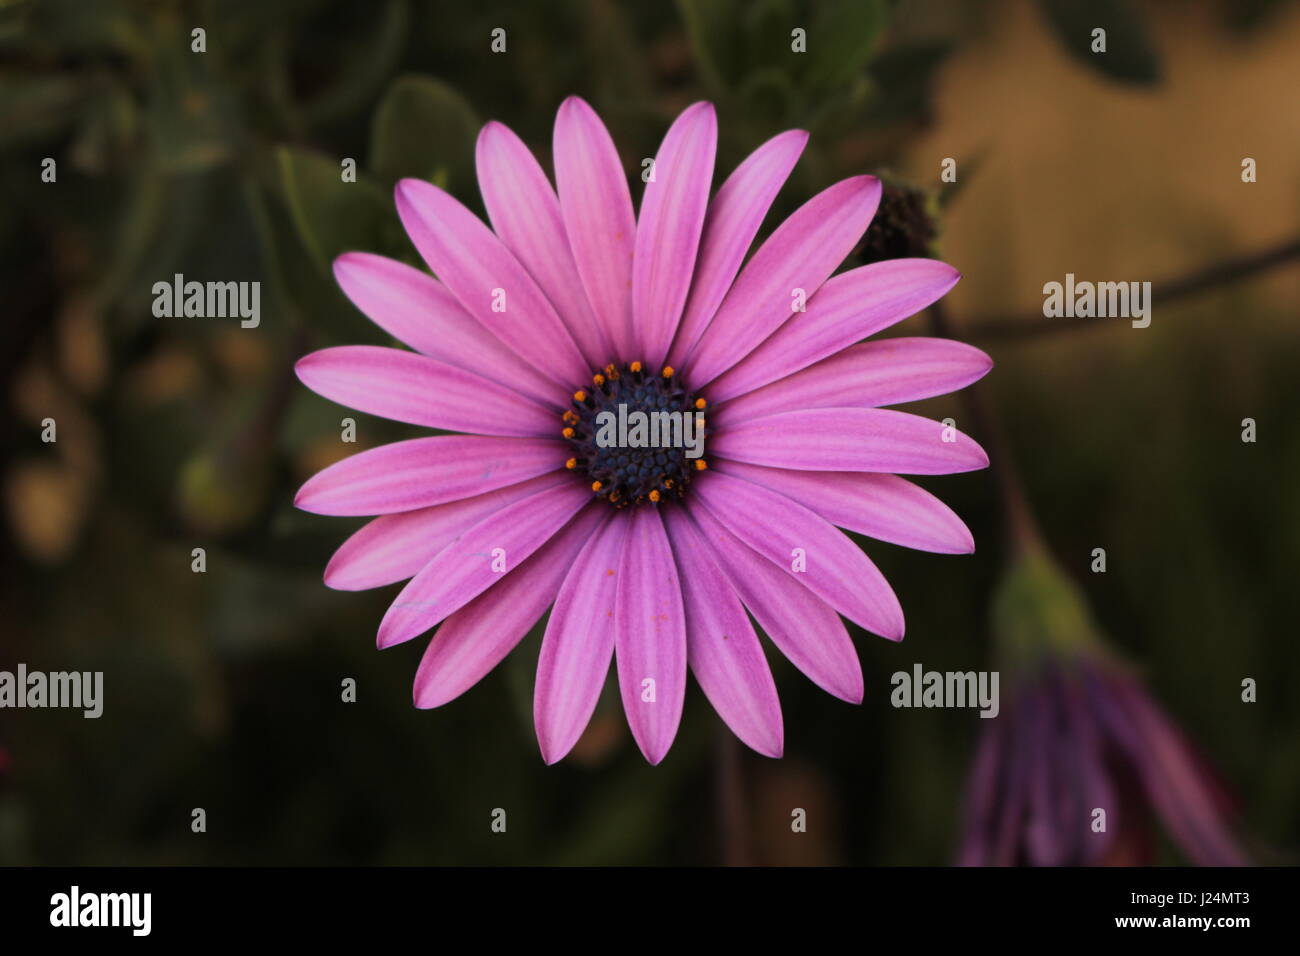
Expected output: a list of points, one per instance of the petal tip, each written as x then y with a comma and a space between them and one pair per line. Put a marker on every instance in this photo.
405, 189
550, 755
867, 184
345, 261
574, 102
302, 366
703, 107
388, 634
335, 576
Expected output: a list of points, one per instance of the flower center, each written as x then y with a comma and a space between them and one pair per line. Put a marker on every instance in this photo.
636, 436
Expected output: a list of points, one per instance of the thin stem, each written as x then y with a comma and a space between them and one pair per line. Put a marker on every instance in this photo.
1011, 328
733, 815
1022, 528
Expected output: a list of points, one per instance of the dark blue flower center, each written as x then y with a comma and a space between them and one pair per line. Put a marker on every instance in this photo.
637, 436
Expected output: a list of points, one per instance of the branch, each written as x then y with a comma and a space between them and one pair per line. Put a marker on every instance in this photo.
1009, 328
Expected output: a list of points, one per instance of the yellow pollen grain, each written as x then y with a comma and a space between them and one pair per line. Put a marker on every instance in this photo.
567, 433
701, 464
654, 495
571, 464
596, 486
570, 416
598, 380
579, 396
668, 371
700, 403
635, 367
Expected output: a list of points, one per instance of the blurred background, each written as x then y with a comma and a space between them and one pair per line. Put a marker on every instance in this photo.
222, 689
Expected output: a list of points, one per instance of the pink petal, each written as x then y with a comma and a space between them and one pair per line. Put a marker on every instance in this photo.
888, 372
721, 645
802, 626
464, 569
579, 643
421, 472
850, 439
598, 217
730, 225
650, 635
395, 547
668, 231
847, 309
800, 254
836, 569
416, 309
884, 507
1173, 775
412, 388
474, 640
472, 262
526, 215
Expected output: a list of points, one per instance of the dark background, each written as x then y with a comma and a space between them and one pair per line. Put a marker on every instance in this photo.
222, 690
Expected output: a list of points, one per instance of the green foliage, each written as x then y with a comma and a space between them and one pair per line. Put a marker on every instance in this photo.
333, 216
224, 687
426, 129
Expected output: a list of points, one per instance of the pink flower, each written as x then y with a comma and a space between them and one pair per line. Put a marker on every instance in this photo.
1080, 734
571, 305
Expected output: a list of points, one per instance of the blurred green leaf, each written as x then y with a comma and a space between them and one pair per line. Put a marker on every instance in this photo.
332, 216
840, 41
367, 62
426, 129
54, 27
769, 96
765, 28
904, 76
192, 116
1129, 57
107, 132
36, 108
711, 27
618, 65
1037, 609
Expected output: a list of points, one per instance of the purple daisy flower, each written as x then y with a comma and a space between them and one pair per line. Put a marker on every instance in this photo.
1082, 734
572, 305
